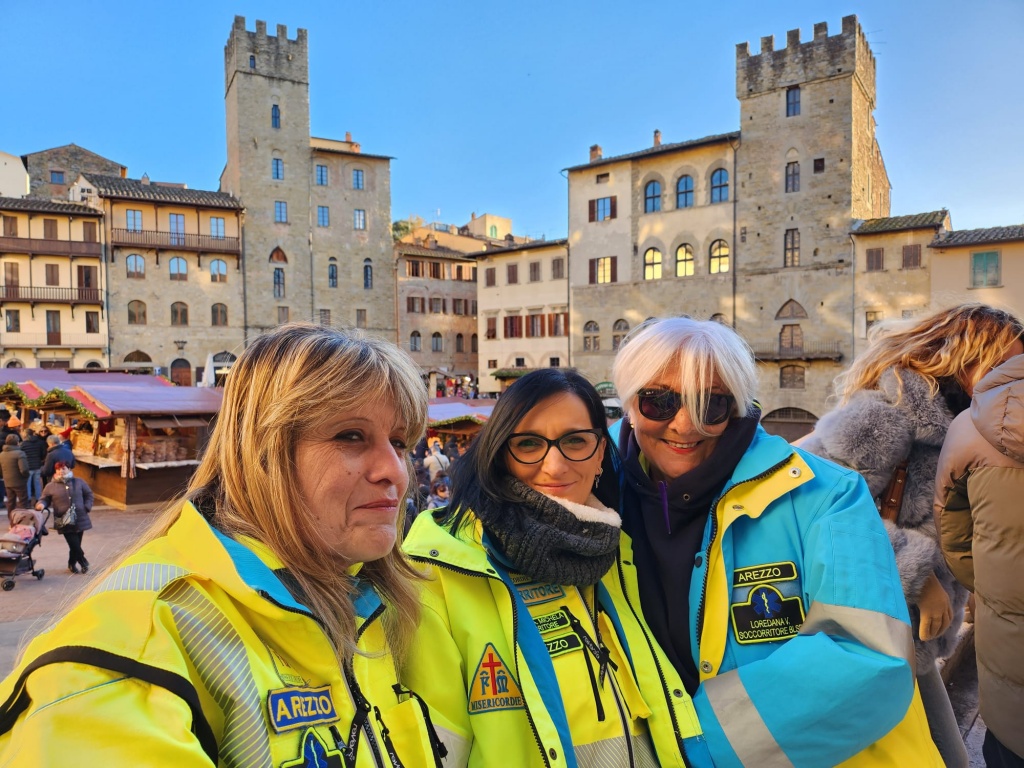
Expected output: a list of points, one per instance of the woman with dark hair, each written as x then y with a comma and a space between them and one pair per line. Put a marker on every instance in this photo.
537, 654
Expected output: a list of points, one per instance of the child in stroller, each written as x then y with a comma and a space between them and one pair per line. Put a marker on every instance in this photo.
27, 527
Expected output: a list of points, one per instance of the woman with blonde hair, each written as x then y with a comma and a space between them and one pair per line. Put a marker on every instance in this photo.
263, 619
895, 404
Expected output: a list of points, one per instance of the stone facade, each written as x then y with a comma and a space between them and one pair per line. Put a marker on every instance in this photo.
312, 224
779, 197
68, 162
52, 296
523, 318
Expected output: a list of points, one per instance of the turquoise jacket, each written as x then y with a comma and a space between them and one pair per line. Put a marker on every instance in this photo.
805, 648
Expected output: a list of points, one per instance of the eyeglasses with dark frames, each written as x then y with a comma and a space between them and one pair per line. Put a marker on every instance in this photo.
528, 448
664, 404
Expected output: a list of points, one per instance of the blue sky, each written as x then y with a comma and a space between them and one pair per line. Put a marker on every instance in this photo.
482, 104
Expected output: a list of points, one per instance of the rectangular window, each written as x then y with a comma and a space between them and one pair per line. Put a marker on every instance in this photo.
280, 212
534, 271
792, 177
512, 274
88, 277
819, 165
472, 307
911, 256
323, 216
602, 208
56, 177
357, 179
277, 168
416, 305
435, 270
558, 268
492, 328
52, 274
520, 362
279, 283
50, 229
92, 322
791, 248
358, 219
458, 272
133, 220
13, 320
176, 223
437, 306
876, 259
490, 279
870, 318
985, 269
282, 315
604, 270
10, 226
413, 268
514, 327
325, 317
558, 324
554, 362
534, 326
793, 101
458, 306
321, 175
360, 318
602, 178
492, 364
90, 232
217, 227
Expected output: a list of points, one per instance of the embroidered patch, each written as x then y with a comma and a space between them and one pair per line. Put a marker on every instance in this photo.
767, 616
535, 593
314, 752
288, 675
549, 622
762, 574
563, 644
291, 708
492, 687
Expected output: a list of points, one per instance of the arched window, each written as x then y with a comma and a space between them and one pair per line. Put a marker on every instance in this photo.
278, 256
652, 264
493, 231
684, 192
460, 343
436, 344
719, 253
136, 266
684, 260
179, 313
276, 168
279, 292
14, 364
791, 309
178, 268
619, 331
275, 116
591, 336
137, 357
219, 315
332, 275
181, 372
367, 274
791, 377
94, 365
652, 197
252, 62
415, 342
720, 186
218, 271
474, 344
136, 313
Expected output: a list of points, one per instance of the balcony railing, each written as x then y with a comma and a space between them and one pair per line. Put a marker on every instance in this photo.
10, 293
52, 339
150, 238
41, 246
823, 350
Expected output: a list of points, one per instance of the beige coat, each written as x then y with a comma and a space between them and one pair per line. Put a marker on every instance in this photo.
979, 507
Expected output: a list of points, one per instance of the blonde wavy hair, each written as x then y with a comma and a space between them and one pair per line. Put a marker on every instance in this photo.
247, 482
943, 345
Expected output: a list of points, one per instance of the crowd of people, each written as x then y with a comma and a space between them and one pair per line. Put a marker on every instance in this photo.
680, 589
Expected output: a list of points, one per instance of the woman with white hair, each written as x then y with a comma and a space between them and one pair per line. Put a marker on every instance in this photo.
764, 572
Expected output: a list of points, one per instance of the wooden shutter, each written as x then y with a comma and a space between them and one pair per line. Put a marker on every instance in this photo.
614, 212
615, 262
551, 324
11, 225
592, 210
89, 231
50, 229
593, 271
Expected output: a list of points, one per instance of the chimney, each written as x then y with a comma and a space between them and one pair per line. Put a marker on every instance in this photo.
595, 152
431, 241
657, 137
472, 216
145, 179
348, 136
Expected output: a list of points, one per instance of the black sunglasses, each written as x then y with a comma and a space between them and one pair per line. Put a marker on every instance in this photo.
664, 404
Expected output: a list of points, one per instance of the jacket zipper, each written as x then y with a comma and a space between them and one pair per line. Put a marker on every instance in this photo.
714, 533
515, 640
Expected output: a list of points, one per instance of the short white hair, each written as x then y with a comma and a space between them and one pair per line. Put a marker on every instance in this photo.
697, 350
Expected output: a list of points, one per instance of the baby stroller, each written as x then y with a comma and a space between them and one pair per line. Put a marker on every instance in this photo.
27, 526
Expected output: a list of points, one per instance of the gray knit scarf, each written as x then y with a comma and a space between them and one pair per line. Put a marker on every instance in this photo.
545, 541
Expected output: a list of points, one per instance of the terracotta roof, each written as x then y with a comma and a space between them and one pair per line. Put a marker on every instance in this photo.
660, 149
980, 236
931, 220
527, 246
46, 206
440, 252
133, 189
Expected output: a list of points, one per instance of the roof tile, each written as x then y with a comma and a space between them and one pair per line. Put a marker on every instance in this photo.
930, 220
133, 189
980, 236
46, 206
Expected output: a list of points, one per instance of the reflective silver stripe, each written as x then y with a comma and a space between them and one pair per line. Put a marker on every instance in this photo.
212, 644
142, 577
613, 753
871, 629
747, 733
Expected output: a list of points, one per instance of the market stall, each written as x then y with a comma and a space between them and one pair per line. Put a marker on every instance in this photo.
136, 439
455, 416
